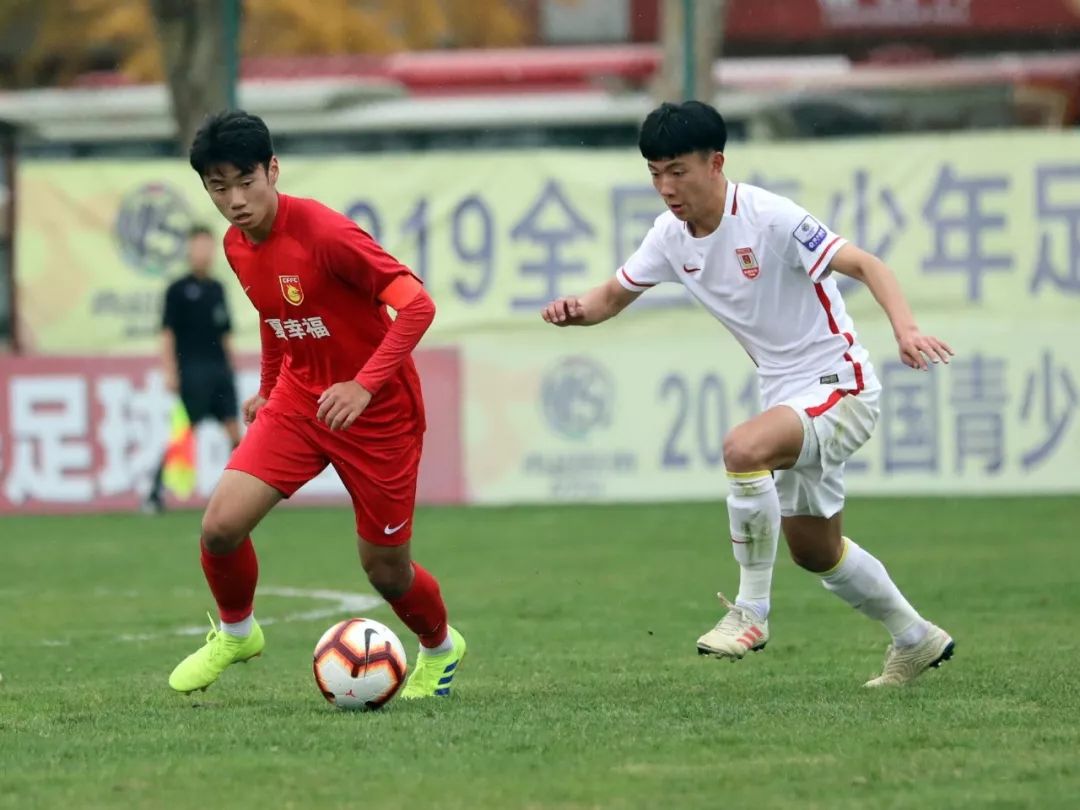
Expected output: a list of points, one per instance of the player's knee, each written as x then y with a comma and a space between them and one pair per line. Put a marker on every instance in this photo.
803, 559
388, 570
741, 453
389, 579
221, 533
815, 559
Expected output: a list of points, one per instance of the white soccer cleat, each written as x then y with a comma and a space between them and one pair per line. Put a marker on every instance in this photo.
739, 632
905, 664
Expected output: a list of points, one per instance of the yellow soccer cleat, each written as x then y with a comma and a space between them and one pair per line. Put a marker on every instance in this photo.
433, 673
202, 667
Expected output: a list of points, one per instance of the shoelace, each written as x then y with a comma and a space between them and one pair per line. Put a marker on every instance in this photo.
734, 614
219, 649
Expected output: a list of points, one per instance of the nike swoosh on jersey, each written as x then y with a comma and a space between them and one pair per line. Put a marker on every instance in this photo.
395, 529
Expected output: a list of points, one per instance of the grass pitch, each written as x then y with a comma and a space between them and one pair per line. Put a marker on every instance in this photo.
582, 688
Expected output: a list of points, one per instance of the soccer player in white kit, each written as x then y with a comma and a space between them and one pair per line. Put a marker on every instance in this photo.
762, 266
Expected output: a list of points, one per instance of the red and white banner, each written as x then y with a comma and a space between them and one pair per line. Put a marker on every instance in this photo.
81, 434
801, 20
765, 21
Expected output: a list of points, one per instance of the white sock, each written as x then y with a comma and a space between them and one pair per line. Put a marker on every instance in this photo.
445, 647
240, 629
862, 581
754, 516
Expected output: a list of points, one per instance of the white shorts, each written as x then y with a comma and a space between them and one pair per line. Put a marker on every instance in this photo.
815, 485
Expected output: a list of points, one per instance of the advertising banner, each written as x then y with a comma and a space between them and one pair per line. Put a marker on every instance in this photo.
87, 434
971, 223
982, 230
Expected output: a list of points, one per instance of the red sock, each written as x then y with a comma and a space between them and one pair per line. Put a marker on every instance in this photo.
232, 579
422, 609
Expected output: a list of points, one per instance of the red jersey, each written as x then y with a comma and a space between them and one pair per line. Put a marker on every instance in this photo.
315, 282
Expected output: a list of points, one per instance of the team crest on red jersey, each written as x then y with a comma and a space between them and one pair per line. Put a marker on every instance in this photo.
747, 262
292, 291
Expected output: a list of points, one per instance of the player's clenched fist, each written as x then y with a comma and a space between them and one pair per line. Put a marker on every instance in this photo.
342, 403
251, 407
564, 312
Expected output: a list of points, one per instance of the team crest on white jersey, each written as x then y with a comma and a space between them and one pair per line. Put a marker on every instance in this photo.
747, 262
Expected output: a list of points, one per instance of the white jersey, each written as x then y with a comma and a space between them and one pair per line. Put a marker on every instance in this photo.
764, 275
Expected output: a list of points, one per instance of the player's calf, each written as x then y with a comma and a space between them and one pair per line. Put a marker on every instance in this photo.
754, 523
415, 597
231, 568
861, 580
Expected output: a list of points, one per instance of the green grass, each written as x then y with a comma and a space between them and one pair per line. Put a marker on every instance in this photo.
582, 688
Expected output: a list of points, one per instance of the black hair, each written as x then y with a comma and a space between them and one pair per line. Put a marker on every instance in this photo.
199, 229
232, 136
679, 129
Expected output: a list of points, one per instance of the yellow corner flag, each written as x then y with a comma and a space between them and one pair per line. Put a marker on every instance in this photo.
178, 474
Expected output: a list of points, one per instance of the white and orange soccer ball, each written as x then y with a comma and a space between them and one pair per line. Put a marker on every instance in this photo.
359, 664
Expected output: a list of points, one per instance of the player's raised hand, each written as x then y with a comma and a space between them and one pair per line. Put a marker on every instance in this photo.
251, 407
342, 403
564, 312
916, 348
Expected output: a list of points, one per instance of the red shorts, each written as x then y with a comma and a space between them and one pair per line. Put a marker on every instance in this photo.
379, 472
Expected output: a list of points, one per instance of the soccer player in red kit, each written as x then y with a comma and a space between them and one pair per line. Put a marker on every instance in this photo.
338, 387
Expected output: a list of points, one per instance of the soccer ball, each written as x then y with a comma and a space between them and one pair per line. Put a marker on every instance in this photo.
359, 664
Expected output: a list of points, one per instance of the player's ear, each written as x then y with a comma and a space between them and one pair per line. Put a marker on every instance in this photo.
717, 162
273, 171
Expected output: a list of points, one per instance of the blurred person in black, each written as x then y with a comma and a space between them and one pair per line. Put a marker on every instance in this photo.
196, 352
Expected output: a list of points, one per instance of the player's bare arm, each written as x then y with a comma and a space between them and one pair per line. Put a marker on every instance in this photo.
596, 306
915, 347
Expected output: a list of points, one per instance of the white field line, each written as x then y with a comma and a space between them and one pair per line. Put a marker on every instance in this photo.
339, 603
